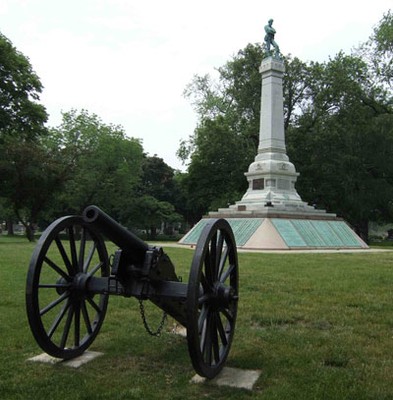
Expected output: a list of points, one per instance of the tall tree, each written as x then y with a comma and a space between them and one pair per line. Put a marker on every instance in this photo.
378, 51
338, 140
157, 179
20, 113
25, 165
157, 196
216, 172
31, 176
103, 164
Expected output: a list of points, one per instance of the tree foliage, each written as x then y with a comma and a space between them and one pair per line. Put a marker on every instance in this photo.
20, 113
341, 144
26, 167
156, 199
103, 164
216, 173
380, 49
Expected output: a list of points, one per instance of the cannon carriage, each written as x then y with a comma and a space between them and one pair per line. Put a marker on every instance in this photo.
71, 277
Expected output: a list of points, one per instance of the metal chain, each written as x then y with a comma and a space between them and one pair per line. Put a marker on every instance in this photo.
146, 325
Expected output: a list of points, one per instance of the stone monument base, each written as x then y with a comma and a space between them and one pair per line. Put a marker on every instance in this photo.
269, 231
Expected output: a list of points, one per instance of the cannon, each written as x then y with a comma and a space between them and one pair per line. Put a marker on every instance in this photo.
71, 277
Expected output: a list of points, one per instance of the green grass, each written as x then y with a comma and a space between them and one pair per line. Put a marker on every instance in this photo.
318, 326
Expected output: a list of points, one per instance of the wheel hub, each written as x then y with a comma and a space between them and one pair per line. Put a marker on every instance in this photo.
79, 284
222, 295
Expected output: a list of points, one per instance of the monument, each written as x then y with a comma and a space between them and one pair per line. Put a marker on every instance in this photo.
271, 214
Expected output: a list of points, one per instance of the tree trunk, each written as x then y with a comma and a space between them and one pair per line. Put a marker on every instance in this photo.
153, 232
10, 226
30, 232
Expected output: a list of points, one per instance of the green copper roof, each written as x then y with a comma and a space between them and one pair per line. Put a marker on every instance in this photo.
315, 233
296, 233
243, 229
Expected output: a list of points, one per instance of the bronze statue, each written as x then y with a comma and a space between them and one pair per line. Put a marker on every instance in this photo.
269, 39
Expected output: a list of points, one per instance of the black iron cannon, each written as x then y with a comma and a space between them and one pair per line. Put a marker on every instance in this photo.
71, 276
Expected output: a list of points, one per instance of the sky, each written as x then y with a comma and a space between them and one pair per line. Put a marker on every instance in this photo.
129, 61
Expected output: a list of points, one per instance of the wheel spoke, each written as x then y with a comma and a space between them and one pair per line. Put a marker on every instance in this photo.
67, 327
213, 257
54, 285
207, 349
203, 299
223, 260
215, 345
64, 255
221, 330
77, 325
227, 273
74, 256
228, 315
54, 303
58, 319
208, 269
202, 332
220, 243
204, 283
96, 268
56, 268
82, 249
94, 305
202, 318
89, 257
86, 318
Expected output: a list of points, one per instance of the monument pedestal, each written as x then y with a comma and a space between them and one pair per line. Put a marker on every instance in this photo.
271, 214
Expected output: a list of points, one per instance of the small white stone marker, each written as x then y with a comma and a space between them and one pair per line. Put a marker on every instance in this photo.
73, 363
233, 377
179, 330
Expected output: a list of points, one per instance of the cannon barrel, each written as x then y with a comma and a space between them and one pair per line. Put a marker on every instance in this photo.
131, 245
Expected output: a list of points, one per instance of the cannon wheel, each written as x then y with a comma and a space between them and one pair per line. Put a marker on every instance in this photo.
212, 298
64, 318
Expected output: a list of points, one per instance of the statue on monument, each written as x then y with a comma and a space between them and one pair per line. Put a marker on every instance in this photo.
269, 39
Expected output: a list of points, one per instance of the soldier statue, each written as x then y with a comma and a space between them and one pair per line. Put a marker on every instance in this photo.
269, 39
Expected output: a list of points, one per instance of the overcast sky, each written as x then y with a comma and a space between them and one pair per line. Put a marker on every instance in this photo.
128, 61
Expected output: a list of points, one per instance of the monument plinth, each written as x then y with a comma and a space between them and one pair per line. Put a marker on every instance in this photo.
271, 214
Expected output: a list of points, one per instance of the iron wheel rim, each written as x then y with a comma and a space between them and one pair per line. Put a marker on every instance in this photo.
212, 298
63, 320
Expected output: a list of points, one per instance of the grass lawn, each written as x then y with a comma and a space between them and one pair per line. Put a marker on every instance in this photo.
318, 326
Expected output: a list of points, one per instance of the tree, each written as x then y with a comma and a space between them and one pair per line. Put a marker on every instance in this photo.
235, 97
20, 113
157, 179
31, 175
339, 141
103, 164
157, 194
378, 51
148, 213
23, 159
216, 172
